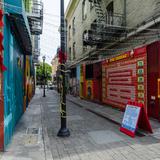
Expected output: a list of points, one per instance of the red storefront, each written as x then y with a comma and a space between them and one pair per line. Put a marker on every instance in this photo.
153, 79
134, 76
91, 81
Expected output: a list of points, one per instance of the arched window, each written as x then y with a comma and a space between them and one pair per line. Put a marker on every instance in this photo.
84, 9
74, 50
110, 11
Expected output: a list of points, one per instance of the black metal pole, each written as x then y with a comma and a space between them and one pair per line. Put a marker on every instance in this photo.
44, 77
63, 132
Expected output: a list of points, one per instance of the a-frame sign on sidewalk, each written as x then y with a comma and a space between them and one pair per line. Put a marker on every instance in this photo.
135, 116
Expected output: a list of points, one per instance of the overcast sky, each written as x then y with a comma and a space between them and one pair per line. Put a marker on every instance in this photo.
50, 39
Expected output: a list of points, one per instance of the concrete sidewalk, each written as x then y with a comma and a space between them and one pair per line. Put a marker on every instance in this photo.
92, 137
112, 114
29, 140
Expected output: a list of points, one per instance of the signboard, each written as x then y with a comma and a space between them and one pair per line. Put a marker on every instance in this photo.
124, 79
130, 118
135, 116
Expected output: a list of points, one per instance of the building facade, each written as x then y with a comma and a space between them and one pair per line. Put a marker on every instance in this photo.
17, 62
97, 25
55, 64
111, 45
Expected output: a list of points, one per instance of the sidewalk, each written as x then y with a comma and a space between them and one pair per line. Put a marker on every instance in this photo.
92, 137
29, 140
112, 114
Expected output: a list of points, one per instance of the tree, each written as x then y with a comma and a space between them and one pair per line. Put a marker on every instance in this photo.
40, 74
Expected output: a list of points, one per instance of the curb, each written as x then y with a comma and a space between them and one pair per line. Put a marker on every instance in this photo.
138, 132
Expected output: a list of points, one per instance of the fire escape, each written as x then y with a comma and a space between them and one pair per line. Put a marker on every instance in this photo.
106, 28
35, 17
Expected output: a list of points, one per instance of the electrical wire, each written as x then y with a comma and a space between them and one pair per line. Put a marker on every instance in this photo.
153, 30
125, 27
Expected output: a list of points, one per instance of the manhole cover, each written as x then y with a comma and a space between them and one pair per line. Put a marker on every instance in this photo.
33, 131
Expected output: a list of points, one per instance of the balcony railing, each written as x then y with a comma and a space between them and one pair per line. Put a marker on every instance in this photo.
100, 33
35, 59
36, 52
35, 8
35, 16
36, 27
115, 19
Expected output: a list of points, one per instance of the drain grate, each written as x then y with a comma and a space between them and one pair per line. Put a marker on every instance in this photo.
33, 131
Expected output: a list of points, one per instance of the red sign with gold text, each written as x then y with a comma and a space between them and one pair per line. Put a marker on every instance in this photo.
124, 78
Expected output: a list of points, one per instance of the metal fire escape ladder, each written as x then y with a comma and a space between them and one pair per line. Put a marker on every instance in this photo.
101, 20
101, 16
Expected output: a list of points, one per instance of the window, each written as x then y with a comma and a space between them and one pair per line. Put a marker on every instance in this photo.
73, 26
110, 11
89, 71
74, 50
73, 73
69, 54
69, 34
85, 37
84, 10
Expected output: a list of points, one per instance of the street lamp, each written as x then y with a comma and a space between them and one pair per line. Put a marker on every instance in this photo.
44, 76
63, 132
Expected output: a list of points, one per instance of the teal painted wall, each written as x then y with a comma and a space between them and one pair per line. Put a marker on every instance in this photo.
13, 82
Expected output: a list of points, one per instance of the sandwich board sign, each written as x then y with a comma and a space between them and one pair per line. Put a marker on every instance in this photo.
135, 117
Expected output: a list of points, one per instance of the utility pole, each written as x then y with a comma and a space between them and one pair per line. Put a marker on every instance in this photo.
44, 77
63, 132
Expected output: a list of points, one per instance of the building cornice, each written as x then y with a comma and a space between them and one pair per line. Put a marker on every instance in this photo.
71, 8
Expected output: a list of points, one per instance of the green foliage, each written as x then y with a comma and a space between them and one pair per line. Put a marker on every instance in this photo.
40, 74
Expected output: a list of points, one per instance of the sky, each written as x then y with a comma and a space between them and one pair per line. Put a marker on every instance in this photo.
50, 39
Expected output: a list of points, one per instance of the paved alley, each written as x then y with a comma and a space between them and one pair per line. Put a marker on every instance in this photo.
92, 137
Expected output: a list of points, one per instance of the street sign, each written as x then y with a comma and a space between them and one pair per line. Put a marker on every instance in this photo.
135, 116
130, 118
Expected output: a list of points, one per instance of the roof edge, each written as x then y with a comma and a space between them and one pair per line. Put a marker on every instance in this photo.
71, 8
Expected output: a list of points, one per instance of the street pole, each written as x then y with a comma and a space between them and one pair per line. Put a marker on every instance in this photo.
63, 132
44, 77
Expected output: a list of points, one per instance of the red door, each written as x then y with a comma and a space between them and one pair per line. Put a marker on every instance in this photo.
97, 82
153, 74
